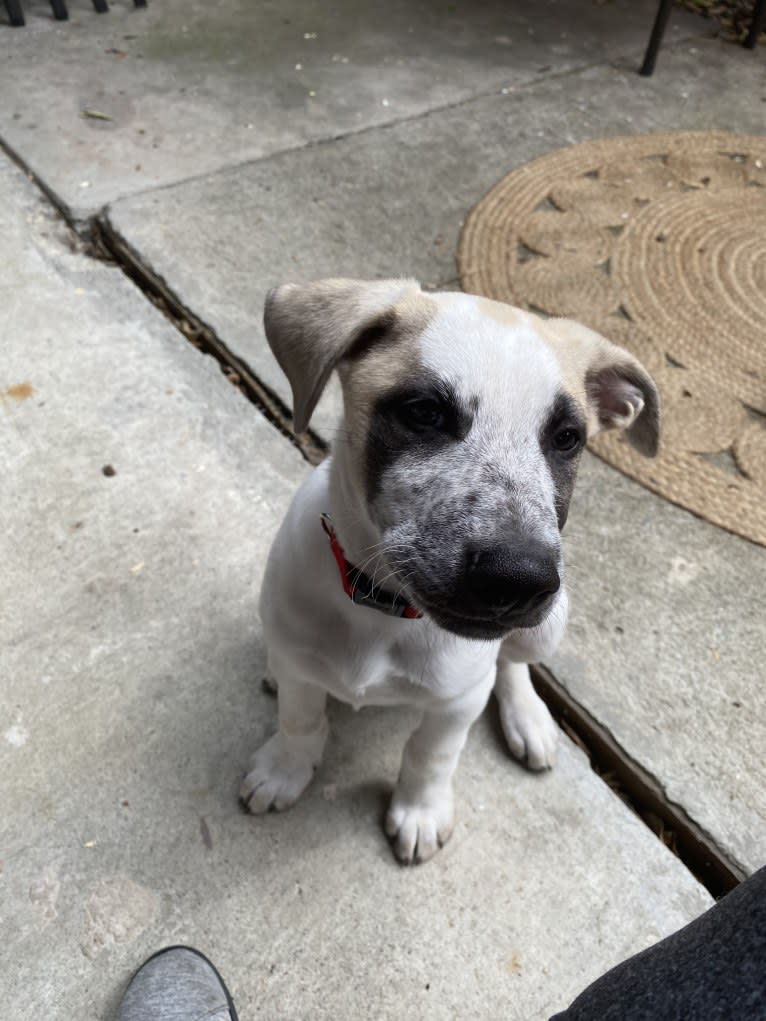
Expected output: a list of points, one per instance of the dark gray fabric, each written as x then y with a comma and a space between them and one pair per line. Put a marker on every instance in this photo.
714, 969
177, 984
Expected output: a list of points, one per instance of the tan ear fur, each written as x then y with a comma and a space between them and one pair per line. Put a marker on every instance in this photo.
615, 388
311, 327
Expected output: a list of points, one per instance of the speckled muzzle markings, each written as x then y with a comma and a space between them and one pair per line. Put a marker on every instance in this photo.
448, 485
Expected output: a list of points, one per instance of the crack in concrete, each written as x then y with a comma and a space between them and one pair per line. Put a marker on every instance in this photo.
388, 125
640, 790
84, 226
59, 205
110, 245
96, 238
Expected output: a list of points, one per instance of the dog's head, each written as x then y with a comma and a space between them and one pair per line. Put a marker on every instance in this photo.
464, 423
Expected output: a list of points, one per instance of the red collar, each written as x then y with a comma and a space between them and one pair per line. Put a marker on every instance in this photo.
359, 587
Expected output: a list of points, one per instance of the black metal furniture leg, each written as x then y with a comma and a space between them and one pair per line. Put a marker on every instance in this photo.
658, 30
15, 13
756, 25
60, 12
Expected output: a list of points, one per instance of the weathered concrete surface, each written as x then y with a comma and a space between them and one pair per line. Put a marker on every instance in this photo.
190, 86
665, 649
130, 700
390, 202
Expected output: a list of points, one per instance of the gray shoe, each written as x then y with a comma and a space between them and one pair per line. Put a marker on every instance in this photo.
177, 984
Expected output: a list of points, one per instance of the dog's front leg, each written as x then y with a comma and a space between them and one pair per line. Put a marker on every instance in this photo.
282, 769
421, 815
528, 726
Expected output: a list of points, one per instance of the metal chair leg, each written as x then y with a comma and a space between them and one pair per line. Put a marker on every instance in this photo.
15, 13
658, 30
60, 12
756, 25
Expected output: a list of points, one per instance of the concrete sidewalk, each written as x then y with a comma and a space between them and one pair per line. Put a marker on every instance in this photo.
143, 98
665, 643
226, 147
144, 492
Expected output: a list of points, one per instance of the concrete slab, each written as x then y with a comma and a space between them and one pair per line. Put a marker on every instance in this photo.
188, 86
129, 697
391, 202
665, 649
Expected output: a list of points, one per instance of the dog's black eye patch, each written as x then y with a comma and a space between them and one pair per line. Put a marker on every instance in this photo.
564, 429
562, 439
420, 417
427, 406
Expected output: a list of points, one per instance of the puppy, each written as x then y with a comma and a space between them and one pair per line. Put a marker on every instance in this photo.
421, 563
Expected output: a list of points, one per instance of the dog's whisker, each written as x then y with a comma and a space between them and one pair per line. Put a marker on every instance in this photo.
403, 584
391, 574
366, 563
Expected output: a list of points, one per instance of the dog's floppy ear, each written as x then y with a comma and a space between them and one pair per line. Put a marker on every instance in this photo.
311, 327
619, 392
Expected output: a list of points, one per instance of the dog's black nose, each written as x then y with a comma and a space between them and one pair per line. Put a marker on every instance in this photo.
516, 581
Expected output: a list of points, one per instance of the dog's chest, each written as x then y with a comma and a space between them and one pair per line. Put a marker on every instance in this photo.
370, 672
376, 671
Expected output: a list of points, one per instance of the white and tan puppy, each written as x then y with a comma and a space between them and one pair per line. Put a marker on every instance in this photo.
439, 513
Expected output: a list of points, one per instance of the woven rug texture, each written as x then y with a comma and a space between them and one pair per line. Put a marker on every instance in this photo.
659, 243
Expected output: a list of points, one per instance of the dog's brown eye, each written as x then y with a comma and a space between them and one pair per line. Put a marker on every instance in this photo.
423, 414
566, 440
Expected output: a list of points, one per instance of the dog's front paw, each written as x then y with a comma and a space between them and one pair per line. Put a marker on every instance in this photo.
279, 773
419, 828
529, 729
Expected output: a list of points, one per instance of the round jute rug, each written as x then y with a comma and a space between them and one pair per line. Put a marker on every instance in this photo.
659, 243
